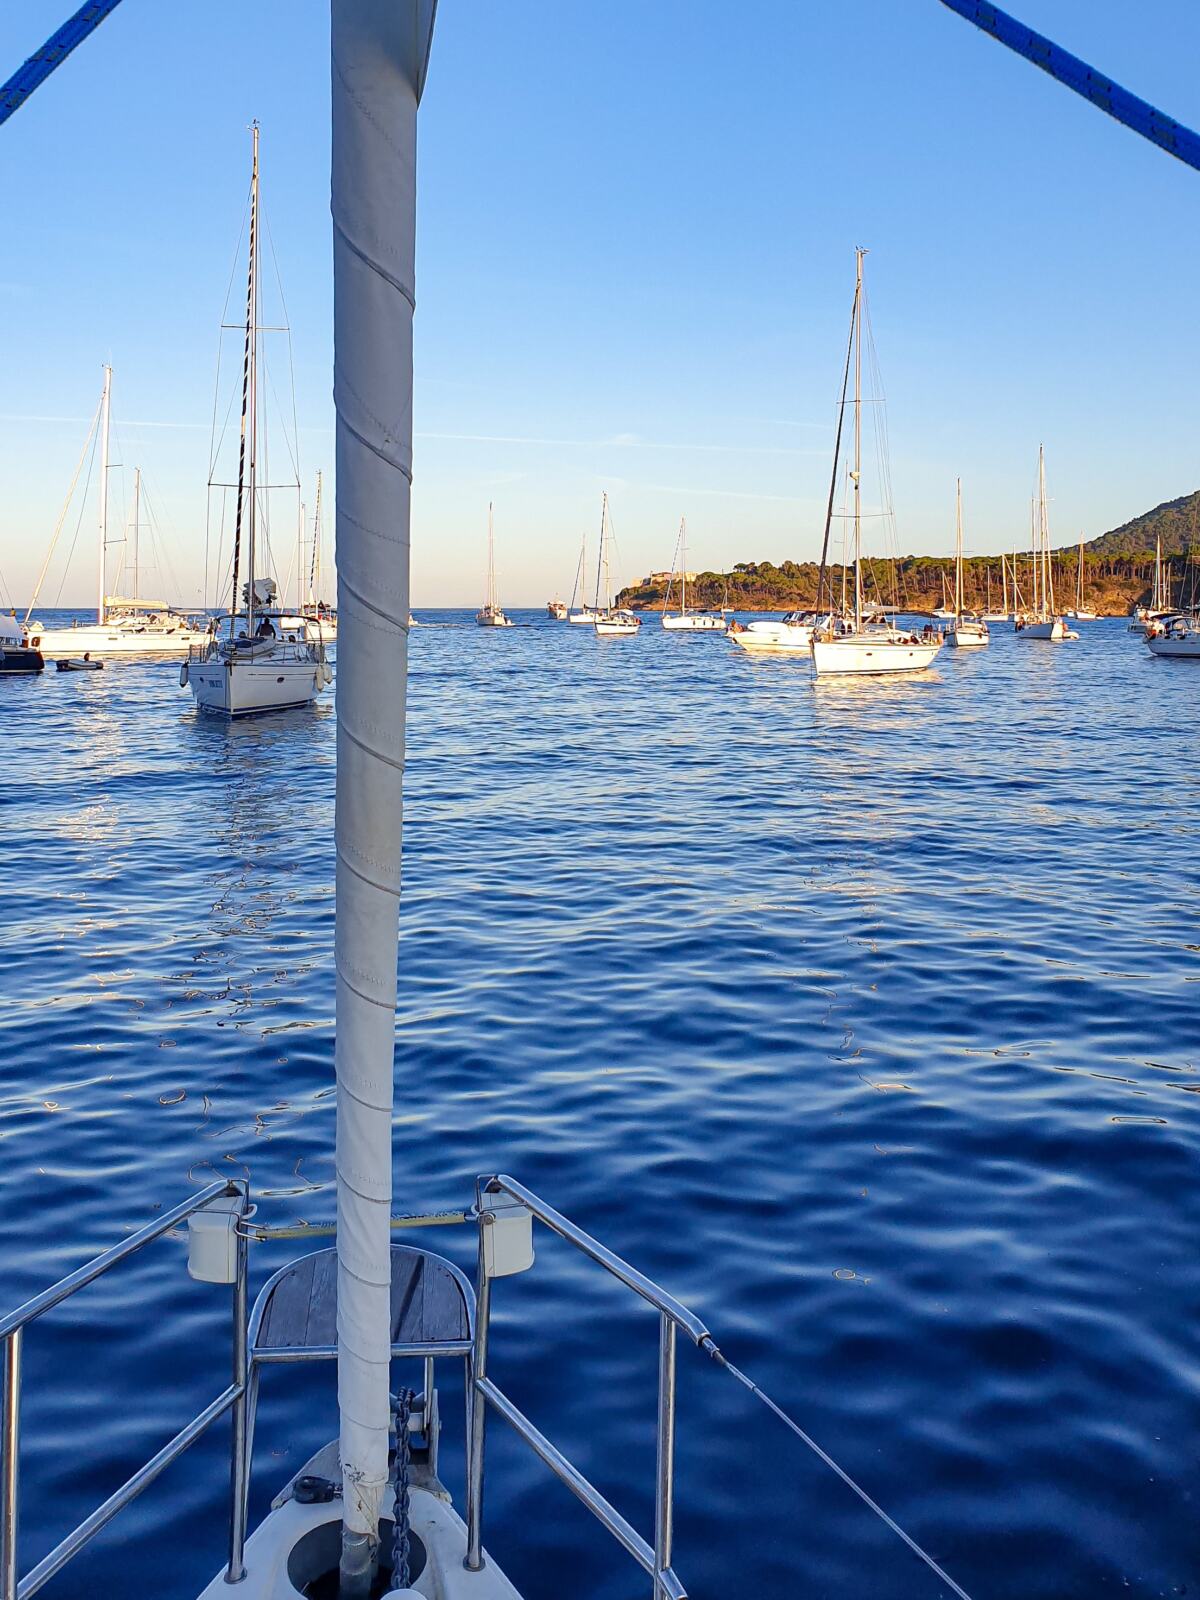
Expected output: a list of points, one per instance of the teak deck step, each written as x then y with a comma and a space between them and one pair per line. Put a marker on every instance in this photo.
432, 1304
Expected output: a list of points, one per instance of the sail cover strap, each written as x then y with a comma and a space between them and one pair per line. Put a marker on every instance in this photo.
1134, 113
53, 53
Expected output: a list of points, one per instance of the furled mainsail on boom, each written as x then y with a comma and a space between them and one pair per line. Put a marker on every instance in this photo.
379, 53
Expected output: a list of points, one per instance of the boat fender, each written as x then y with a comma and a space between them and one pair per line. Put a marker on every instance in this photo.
183, 675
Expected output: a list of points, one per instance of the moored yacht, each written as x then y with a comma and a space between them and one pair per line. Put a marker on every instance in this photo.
683, 620
857, 644
261, 657
1042, 620
610, 621
16, 654
969, 630
491, 613
124, 625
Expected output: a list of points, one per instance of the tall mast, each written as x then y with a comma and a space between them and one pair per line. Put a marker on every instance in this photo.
380, 52
857, 474
137, 496
252, 450
314, 571
105, 410
683, 567
600, 556
958, 573
1079, 581
1044, 529
1004, 582
247, 440
490, 602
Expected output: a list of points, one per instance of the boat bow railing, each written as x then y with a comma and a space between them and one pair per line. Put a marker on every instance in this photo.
12, 1332
491, 1195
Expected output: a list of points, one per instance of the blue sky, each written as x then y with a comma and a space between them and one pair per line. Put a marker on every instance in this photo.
636, 235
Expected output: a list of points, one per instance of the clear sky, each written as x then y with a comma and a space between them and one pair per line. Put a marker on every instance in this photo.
636, 234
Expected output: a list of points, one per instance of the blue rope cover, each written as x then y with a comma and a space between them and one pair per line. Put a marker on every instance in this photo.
53, 53
1139, 115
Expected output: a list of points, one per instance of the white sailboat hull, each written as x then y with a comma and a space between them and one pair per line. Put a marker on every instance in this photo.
496, 620
92, 639
1055, 629
862, 654
583, 619
967, 636
241, 688
616, 630
1180, 647
785, 637
693, 622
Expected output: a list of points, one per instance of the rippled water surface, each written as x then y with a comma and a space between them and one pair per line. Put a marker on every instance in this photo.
861, 1015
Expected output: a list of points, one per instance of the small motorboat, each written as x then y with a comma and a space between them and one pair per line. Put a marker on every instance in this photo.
17, 655
83, 663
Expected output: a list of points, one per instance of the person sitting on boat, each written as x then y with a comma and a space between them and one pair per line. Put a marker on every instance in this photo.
265, 629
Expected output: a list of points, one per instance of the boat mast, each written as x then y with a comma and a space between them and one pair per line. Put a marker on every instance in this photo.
683, 566
246, 441
252, 453
1079, 578
379, 57
857, 473
1044, 529
490, 602
105, 411
137, 496
600, 557
1004, 583
958, 572
314, 570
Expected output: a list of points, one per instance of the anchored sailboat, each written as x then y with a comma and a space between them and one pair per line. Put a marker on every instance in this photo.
969, 631
260, 658
611, 622
491, 614
683, 620
314, 608
1042, 620
124, 625
857, 644
582, 614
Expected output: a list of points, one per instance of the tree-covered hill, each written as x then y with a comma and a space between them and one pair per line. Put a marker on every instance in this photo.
1176, 520
1118, 573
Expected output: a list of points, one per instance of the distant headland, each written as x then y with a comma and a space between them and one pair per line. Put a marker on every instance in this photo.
1118, 572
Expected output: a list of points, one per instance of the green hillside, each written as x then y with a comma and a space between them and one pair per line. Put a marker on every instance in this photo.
1175, 520
1118, 573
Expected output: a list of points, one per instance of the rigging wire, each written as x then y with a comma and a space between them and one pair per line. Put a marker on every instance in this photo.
66, 506
823, 1455
79, 520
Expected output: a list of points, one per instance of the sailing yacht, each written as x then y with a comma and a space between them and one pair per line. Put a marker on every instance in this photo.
259, 657
1042, 620
1160, 607
320, 617
611, 622
944, 612
683, 620
1003, 615
859, 643
968, 631
582, 614
1079, 611
491, 615
124, 625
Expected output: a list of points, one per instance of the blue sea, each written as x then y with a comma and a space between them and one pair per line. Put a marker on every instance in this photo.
863, 1015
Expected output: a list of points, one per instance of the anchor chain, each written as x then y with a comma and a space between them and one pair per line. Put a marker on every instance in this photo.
402, 1413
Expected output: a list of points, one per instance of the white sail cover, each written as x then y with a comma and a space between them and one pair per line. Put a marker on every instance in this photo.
380, 49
